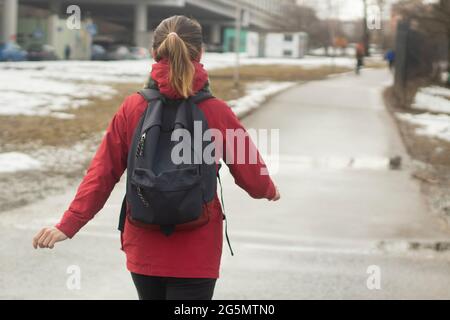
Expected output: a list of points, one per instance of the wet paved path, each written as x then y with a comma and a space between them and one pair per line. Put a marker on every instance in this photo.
339, 201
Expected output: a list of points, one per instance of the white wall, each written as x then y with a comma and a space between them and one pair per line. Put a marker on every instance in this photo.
253, 44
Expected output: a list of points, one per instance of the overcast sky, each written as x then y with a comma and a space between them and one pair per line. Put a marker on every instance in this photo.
342, 9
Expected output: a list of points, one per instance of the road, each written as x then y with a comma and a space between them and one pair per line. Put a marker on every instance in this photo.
340, 202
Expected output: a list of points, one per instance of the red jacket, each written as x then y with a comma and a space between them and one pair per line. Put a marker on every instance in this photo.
192, 253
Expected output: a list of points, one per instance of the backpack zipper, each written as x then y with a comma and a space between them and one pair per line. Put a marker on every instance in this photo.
140, 147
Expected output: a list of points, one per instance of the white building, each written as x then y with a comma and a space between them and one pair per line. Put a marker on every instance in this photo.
286, 45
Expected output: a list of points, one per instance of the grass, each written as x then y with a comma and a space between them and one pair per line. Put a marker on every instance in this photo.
53, 131
278, 73
223, 85
95, 117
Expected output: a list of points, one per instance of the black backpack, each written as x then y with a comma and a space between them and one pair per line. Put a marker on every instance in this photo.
160, 192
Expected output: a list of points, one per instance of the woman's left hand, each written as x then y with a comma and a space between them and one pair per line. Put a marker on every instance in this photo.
47, 237
277, 195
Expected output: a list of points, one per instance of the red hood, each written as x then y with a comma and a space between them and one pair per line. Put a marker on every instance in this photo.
160, 74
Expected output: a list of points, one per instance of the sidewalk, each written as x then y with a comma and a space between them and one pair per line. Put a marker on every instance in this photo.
339, 201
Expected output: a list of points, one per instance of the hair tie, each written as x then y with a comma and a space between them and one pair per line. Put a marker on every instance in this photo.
172, 34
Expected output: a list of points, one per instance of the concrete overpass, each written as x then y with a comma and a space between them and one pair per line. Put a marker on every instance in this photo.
141, 16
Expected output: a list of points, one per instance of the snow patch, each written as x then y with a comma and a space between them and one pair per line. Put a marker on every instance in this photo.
16, 161
256, 94
430, 125
437, 91
67, 159
433, 99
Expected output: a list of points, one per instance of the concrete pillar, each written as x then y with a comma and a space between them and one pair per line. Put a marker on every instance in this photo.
52, 30
10, 16
215, 34
141, 34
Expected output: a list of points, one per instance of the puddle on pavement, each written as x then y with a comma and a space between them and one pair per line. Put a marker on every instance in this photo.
414, 246
340, 163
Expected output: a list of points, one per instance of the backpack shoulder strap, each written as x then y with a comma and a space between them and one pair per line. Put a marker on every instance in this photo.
201, 96
150, 94
123, 214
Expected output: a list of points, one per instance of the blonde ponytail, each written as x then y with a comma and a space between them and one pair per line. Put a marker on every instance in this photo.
182, 69
179, 39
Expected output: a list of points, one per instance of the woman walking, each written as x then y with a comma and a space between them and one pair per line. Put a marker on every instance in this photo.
184, 265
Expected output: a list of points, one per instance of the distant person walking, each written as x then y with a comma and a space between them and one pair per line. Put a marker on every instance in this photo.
167, 262
390, 58
360, 54
67, 52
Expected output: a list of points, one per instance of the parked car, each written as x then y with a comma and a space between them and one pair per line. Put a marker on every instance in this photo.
98, 52
10, 51
118, 52
138, 53
38, 52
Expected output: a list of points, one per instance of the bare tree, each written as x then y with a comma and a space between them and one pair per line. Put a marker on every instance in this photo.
366, 35
432, 19
305, 19
422, 45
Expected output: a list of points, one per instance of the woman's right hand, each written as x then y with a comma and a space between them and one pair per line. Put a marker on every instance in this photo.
277, 195
47, 237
